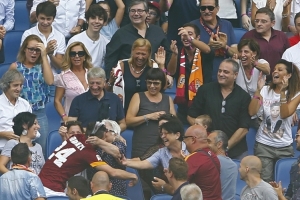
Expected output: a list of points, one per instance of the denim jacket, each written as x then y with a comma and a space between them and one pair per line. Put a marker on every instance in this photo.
21, 184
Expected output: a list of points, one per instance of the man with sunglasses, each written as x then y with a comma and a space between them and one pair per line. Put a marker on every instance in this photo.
217, 33
272, 43
93, 41
227, 105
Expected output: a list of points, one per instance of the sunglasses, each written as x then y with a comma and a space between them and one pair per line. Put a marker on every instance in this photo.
223, 108
155, 83
79, 53
210, 8
36, 50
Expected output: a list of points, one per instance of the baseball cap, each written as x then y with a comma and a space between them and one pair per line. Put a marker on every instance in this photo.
154, 4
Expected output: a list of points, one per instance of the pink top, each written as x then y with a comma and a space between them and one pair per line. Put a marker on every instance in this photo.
72, 85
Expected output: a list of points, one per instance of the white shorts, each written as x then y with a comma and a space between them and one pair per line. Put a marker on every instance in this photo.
51, 193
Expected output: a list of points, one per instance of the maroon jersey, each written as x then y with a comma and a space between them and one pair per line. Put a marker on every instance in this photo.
70, 158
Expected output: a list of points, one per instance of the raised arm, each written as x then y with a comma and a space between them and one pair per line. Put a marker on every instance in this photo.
172, 65
47, 72
109, 148
120, 12
144, 164
245, 19
165, 5
257, 99
59, 94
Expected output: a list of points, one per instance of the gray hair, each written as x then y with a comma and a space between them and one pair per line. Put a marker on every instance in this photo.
191, 192
10, 76
136, 2
96, 72
115, 126
221, 137
235, 65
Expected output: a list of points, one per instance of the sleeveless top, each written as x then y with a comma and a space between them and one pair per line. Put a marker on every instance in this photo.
132, 84
146, 135
35, 90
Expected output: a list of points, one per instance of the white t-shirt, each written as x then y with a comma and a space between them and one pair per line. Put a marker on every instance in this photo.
97, 49
273, 130
227, 9
251, 83
277, 11
292, 54
54, 35
295, 8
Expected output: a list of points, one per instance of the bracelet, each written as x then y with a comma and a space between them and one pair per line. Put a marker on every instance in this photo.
63, 115
146, 119
258, 98
166, 71
243, 14
285, 15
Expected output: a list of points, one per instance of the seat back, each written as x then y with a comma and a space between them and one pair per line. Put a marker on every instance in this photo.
238, 11
21, 16
135, 192
161, 197
11, 45
3, 69
127, 135
240, 184
57, 198
282, 169
250, 138
239, 32
53, 141
53, 116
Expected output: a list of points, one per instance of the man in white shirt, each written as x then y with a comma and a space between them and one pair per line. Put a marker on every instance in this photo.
292, 55
95, 42
11, 104
52, 38
69, 18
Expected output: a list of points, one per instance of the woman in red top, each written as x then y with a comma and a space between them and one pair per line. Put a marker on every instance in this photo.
296, 38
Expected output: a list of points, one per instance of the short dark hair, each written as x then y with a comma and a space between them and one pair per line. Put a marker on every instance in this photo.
216, 3
47, 8
252, 44
136, 2
23, 118
167, 117
69, 124
235, 65
196, 28
174, 126
267, 11
296, 17
157, 74
81, 184
20, 153
221, 137
154, 8
179, 168
96, 11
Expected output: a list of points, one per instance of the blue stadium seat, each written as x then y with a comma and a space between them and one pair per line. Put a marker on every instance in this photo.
238, 10
127, 135
53, 141
53, 116
240, 184
3, 69
239, 32
161, 197
11, 44
57, 198
135, 192
123, 197
282, 171
250, 138
21, 16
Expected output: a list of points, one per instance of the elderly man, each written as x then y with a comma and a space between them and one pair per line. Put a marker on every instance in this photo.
250, 169
227, 105
120, 44
272, 43
97, 104
11, 104
21, 182
217, 33
217, 142
191, 192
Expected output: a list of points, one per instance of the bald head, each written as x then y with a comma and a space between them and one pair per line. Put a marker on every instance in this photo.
100, 181
195, 138
197, 131
253, 163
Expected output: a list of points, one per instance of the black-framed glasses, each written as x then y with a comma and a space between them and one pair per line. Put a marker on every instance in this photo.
184, 137
263, 21
152, 13
155, 83
223, 106
210, 8
31, 50
138, 11
79, 53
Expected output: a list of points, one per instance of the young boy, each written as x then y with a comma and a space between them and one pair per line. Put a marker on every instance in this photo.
205, 121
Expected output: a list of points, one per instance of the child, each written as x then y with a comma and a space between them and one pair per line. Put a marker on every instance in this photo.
205, 121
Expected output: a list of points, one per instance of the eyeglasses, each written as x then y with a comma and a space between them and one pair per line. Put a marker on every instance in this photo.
139, 11
223, 108
108, 130
155, 83
31, 50
263, 21
152, 13
184, 137
79, 53
210, 8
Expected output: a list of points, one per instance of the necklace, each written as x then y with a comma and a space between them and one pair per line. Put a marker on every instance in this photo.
137, 72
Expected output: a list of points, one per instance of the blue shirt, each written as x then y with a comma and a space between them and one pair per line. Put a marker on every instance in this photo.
21, 184
109, 30
225, 27
88, 108
7, 14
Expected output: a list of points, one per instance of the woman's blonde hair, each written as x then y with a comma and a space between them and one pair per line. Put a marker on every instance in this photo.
87, 63
21, 57
141, 42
